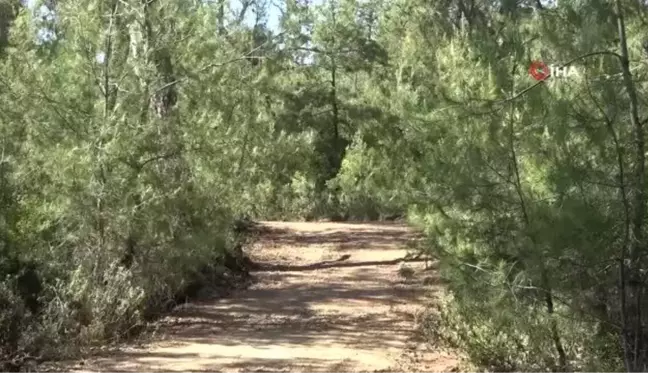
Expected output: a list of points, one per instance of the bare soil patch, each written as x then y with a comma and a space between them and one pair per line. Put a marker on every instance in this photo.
328, 297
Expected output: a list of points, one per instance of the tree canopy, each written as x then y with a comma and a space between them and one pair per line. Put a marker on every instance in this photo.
134, 133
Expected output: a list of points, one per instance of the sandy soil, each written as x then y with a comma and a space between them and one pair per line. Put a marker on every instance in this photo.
308, 311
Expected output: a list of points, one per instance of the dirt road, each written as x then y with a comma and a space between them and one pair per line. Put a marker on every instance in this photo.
329, 298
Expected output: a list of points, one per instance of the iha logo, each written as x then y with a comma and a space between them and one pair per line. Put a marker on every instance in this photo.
541, 71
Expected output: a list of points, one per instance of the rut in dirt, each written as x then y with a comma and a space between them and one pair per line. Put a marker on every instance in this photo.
326, 297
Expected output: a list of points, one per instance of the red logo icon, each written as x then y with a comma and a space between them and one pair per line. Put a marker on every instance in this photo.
539, 71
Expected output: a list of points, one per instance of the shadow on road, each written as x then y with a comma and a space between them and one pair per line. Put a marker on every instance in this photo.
332, 264
385, 236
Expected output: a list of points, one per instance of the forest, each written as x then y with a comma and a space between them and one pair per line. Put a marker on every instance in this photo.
137, 136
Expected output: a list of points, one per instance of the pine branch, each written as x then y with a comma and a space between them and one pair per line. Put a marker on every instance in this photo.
246, 56
528, 89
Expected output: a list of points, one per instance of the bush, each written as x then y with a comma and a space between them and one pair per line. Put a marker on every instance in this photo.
497, 332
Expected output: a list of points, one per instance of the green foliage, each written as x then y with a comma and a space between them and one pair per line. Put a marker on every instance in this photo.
132, 137
520, 194
508, 336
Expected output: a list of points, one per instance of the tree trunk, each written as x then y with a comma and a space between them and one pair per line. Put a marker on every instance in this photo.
8, 11
630, 281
